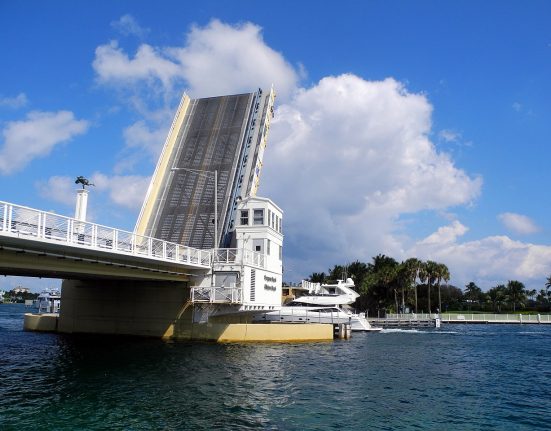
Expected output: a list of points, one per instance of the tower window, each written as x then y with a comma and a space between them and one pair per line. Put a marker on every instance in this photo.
244, 219
258, 217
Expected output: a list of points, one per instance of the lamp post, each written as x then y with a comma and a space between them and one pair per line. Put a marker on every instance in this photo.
208, 174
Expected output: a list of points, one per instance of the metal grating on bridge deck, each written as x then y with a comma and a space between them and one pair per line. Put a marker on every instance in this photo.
225, 134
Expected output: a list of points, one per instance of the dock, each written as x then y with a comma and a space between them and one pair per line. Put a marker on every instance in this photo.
403, 322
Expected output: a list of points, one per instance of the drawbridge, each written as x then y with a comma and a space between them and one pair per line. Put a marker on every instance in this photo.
211, 160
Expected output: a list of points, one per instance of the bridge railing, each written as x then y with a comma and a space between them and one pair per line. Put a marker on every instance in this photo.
217, 294
24, 222
224, 256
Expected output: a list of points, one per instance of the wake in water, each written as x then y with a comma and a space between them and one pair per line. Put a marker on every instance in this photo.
415, 331
534, 333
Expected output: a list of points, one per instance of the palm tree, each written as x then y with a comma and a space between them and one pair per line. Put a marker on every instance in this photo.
543, 298
317, 277
548, 282
472, 292
443, 273
411, 268
423, 273
516, 292
497, 296
429, 271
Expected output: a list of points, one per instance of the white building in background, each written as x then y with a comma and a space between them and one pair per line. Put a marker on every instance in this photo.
21, 289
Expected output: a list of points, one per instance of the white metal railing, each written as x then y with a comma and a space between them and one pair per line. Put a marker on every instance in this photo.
310, 286
225, 256
513, 318
24, 222
475, 317
219, 294
411, 316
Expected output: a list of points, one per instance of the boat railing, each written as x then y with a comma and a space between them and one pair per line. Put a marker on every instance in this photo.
29, 223
309, 316
310, 286
217, 294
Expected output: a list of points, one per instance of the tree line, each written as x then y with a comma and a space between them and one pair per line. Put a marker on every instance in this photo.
16, 296
388, 286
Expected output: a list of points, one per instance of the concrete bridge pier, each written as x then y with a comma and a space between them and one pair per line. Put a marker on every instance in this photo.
143, 308
159, 309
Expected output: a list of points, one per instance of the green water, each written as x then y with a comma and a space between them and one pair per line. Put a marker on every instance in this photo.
457, 378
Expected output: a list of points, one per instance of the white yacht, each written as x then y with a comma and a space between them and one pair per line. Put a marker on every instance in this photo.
327, 294
49, 301
322, 303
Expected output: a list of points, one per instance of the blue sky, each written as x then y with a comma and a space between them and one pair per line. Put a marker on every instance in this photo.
405, 128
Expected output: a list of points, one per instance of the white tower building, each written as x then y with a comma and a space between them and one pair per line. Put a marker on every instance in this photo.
248, 276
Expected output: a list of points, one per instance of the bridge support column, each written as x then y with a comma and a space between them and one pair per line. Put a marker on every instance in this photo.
140, 308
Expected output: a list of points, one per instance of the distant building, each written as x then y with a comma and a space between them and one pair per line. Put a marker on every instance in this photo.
20, 289
225, 134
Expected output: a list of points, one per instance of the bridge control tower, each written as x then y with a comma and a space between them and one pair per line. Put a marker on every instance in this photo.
226, 135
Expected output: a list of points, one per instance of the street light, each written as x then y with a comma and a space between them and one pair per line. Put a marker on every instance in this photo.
208, 174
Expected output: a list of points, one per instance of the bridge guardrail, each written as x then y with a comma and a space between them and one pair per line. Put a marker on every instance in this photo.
217, 294
20, 221
237, 256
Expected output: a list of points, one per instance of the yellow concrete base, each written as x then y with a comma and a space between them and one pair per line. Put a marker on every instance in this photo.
40, 322
261, 332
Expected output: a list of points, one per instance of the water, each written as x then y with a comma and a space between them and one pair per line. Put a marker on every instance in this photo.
462, 377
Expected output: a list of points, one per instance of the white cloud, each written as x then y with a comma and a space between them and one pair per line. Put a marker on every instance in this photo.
114, 66
449, 135
35, 137
141, 142
518, 223
58, 189
18, 101
487, 261
127, 26
446, 234
125, 190
346, 158
225, 59
517, 106
216, 59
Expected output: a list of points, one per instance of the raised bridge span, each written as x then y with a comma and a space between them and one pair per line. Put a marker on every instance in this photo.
44, 244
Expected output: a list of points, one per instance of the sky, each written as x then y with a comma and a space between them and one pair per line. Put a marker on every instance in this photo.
407, 128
